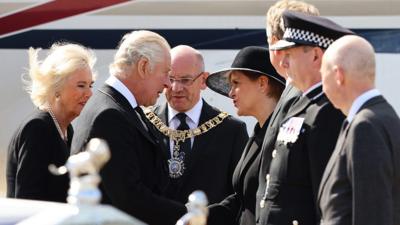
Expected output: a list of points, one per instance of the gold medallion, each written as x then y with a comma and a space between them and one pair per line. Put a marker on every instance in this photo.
176, 164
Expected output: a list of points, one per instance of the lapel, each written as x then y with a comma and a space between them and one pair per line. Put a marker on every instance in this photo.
240, 164
201, 141
282, 100
162, 113
249, 151
332, 160
304, 102
340, 144
253, 147
131, 114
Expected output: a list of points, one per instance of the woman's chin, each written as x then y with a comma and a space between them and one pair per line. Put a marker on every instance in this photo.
76, 113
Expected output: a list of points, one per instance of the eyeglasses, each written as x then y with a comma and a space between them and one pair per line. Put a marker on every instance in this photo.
186, 81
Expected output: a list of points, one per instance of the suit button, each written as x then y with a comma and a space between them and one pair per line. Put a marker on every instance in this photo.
295, 222
274, 153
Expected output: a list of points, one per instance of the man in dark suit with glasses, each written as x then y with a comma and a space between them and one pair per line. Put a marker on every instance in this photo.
212, 142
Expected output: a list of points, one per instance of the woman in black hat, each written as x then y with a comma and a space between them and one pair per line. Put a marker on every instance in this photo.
255, 88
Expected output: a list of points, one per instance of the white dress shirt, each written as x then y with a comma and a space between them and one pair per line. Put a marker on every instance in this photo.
122, 89
359, 101
313, 88
192, 119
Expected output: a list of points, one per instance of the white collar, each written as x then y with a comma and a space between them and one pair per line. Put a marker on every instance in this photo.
121, 88
193, 113
312, 88
359, 101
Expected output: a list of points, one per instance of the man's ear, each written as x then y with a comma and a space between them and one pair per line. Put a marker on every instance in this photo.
143, 67
203, 80
274, 39
339, 75
318, 54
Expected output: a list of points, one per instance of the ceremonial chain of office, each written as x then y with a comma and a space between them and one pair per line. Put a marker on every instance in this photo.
176, 163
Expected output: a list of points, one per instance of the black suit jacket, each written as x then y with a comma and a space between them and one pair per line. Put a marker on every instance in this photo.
134, 178
288, 97
361, 183
34, 146
212, 159
296, 170
239, 208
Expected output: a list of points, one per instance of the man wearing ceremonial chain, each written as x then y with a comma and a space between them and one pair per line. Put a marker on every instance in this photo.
202, 144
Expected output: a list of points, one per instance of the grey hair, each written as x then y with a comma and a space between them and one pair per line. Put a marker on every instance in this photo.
136, 45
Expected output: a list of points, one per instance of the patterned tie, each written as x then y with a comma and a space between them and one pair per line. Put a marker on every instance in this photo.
185, 146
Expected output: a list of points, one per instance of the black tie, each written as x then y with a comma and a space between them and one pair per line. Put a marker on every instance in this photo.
343, 133
185, 146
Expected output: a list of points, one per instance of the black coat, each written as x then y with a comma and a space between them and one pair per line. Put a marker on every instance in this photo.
212, 159
288, 97
134, 178
297, 166
239, 208
34, 146
361, 183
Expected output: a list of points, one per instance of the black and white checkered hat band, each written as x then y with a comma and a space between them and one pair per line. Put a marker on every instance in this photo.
293, 34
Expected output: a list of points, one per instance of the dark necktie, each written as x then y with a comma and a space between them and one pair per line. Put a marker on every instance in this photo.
185, 146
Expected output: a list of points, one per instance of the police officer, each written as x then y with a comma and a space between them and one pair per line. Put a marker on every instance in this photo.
308, 133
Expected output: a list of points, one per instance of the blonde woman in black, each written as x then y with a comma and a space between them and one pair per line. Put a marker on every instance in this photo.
59, 87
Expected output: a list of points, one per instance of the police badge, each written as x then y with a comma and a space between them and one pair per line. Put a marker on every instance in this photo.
290, 130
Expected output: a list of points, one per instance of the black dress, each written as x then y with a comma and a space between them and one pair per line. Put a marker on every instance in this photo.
239, 208
34, 146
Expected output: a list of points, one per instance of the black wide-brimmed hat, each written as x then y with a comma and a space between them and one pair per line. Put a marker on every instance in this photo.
303, 29
252, 58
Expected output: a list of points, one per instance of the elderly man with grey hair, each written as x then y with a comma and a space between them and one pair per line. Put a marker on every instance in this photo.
134, 178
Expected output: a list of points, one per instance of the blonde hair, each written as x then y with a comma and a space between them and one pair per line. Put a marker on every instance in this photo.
47, 77
275, 26
136, 45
